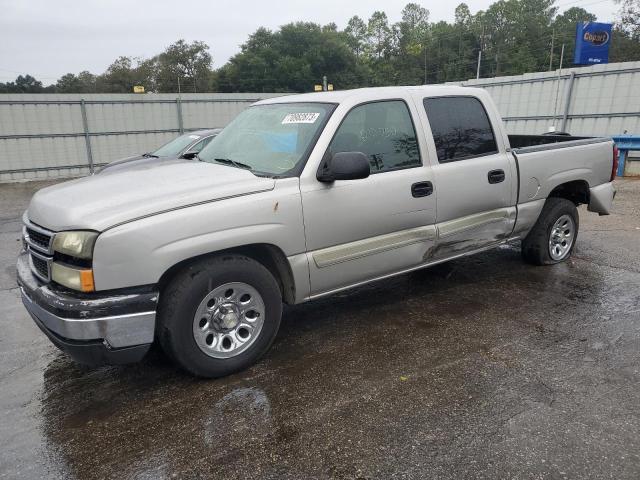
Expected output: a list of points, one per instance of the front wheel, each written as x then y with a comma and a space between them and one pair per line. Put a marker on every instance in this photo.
219, 315
553, 237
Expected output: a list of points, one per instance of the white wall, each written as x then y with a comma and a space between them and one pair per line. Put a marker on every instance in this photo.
42, 135
605, 99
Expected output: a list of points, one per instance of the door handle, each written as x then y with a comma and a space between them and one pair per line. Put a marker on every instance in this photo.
421, 189
496, 176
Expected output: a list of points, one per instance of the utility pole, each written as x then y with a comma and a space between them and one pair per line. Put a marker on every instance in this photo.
480, 54
553, 38
178, 85
425, 64
325, 86
555, 106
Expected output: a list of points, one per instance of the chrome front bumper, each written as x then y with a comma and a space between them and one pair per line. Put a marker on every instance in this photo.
115, 328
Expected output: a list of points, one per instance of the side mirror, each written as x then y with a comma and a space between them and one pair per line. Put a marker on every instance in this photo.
189, 155
344, 166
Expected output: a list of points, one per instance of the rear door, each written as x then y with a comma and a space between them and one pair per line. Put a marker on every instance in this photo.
474, 175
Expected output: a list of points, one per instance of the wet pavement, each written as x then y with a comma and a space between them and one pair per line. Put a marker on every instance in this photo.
484, 367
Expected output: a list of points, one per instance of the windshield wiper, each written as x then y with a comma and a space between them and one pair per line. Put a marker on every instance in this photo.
228, 161
150, 155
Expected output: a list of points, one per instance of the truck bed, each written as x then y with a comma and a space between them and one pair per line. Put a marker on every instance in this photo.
538, 143
541, 166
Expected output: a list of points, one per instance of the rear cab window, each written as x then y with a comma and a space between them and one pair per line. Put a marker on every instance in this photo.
461, 128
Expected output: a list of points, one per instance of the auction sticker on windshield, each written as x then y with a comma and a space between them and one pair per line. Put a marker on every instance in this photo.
300, 118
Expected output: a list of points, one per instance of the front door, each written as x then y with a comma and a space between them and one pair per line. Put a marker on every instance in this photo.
357, 230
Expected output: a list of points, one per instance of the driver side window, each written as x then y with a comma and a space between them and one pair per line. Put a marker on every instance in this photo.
381, 130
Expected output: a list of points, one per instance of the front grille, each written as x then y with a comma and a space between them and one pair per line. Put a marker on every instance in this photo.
39, 239
40, 266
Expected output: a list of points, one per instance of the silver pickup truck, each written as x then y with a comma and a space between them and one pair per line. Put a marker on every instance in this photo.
299, 197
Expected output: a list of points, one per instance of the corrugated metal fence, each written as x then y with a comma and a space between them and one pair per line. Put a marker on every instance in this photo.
598, 100
48, 136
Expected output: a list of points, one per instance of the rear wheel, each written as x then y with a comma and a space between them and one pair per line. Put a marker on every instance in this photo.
219, 315
553, 237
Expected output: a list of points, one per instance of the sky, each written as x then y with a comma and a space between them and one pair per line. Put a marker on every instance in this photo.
48, 38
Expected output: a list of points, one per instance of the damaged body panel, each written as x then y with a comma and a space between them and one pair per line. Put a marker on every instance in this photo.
92, 328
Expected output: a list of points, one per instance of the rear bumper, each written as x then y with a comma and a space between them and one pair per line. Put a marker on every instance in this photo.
93, 329
601, 198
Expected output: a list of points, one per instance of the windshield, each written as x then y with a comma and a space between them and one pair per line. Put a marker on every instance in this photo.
176, 146
269, 139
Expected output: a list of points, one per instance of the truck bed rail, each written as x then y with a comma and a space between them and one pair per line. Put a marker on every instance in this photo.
519, 146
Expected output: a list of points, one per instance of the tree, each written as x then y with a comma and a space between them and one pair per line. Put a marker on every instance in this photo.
292, 59
357, 35
84, 82
411, 41
379, 35
518, 35
624, 46
629, 17
413, 29
463, 15
119, 78
186, 63
22, 84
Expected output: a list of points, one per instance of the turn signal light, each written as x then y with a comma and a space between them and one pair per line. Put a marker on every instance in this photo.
76, 279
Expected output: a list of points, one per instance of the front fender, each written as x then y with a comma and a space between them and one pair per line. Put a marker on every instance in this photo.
139, 252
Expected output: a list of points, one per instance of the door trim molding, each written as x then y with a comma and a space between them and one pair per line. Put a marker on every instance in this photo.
345, 252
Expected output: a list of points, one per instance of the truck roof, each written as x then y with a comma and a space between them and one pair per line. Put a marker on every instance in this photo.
370, 93
205, 131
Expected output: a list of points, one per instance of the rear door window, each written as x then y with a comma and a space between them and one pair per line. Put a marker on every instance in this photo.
461, 128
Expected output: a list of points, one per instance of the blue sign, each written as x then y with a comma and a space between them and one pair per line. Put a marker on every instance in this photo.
592, 43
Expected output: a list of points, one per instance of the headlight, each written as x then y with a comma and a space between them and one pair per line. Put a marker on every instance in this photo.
76, 244
76, 279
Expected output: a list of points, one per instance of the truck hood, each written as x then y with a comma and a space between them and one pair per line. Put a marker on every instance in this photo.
113, 197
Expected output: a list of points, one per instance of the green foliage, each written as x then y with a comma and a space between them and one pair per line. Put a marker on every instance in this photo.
190, 63
84, 82
630, 18
22, 84
292, 59
515, 36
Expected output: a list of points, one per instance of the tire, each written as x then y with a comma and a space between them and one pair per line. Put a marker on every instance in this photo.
539, 248
203, 288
